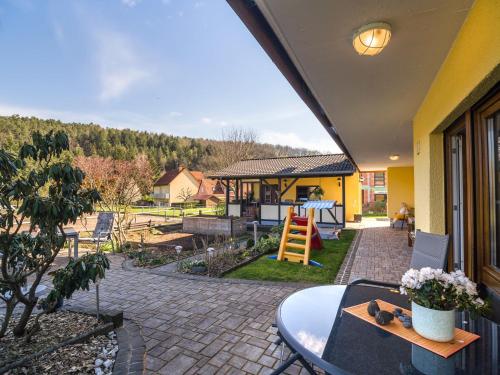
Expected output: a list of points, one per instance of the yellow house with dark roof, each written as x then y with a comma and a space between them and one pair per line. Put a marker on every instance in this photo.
265, 188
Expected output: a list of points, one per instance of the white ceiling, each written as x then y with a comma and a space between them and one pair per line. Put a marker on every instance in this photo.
370, 100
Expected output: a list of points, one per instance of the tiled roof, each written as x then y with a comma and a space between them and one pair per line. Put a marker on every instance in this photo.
197, 175
167, 177
294, 166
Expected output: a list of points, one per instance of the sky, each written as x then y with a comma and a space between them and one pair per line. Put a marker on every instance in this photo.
181, 67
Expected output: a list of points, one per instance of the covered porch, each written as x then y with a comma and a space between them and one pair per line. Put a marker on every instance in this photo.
264, 189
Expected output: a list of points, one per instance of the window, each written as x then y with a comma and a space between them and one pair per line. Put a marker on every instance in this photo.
270, 194
379, 178
304, 192
380, 197
486, 251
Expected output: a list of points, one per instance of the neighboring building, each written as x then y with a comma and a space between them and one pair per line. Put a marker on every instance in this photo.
210, 192
176, 186
265, 188
426, 109
374, 192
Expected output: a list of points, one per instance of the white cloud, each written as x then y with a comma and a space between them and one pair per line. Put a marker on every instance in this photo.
206, 120
223, 123
175, 114
324, 144
131, 3
119, 66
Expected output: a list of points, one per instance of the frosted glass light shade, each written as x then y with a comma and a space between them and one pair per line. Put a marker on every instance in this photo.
371, 39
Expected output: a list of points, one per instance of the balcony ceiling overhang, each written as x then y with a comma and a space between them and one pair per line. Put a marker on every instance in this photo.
369, 101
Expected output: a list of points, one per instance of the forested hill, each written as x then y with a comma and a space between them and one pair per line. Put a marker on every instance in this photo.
163, 151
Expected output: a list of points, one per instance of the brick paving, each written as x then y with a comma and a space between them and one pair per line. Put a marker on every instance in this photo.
382, 254
193, 326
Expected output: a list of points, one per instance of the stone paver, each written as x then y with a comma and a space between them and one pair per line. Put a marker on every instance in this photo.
195, 326
382, 254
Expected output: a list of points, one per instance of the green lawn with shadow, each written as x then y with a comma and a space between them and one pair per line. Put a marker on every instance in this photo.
331, 257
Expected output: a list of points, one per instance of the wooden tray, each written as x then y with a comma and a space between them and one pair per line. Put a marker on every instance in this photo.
444, 349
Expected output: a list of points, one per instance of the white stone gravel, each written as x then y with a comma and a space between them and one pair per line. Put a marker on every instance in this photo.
106, 356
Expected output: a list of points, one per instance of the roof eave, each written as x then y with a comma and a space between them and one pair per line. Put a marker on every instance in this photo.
299, 175
257, 24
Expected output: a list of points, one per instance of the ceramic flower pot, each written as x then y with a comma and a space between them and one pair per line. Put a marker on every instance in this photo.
436, 325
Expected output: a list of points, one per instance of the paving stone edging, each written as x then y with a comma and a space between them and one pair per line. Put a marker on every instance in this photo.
131, 350
98, 331
128, 265
344, 273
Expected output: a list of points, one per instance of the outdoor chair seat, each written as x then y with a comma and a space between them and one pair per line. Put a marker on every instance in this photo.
430, 250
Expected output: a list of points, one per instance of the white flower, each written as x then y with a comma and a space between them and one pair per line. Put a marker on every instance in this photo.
478, 301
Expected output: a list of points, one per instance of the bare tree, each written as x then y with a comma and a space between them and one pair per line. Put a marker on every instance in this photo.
236, 144
185, 194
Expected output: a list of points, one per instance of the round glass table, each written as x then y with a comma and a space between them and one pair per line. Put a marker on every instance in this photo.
312, 324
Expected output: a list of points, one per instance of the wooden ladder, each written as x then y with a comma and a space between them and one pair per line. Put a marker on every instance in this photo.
288, 234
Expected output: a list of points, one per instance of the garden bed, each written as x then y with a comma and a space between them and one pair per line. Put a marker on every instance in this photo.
229, 256
331, 257
67, 342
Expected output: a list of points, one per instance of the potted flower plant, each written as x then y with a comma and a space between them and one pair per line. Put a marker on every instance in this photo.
434, 296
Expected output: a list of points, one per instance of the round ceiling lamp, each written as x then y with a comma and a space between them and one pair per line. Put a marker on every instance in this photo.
394, 157
371, 39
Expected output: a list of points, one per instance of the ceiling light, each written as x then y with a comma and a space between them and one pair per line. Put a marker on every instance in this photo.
371, 39
394, 157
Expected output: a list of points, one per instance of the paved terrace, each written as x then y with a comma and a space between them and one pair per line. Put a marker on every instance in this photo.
219, 327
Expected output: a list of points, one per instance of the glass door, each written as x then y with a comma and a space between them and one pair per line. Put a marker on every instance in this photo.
457, 190
493, 124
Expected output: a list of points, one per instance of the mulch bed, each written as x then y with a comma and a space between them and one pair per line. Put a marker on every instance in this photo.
55, 328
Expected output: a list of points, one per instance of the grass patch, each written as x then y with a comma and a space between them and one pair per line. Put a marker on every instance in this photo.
331, 257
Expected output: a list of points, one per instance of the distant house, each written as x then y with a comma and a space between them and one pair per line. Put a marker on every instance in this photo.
176, 186
210, 192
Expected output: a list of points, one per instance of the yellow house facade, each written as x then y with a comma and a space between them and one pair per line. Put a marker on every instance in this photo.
424, 107
176, 186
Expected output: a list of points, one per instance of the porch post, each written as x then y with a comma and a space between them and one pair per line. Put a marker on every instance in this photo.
260, 200
227, 197
279, 200
343, 202
241, 197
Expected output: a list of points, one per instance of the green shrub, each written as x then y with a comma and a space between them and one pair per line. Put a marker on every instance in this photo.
250, 243
265, 245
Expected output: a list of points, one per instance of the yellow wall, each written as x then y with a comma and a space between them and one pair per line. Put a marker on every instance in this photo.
399, 188
186, 181
183, 180
474, 54
332, 186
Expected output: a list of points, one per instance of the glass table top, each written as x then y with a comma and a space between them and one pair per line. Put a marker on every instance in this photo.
311, 321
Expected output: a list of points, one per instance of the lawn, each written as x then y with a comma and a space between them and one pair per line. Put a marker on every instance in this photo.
331, 257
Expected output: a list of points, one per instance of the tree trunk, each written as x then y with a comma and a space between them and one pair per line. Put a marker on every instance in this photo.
20, 327
9, 309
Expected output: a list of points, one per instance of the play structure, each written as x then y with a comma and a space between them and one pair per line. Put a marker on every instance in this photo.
302, 229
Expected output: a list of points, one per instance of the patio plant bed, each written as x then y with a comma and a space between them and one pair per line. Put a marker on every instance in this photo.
66, 344
331, 257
